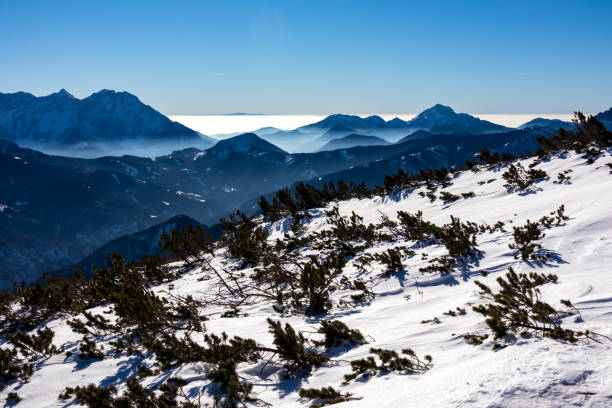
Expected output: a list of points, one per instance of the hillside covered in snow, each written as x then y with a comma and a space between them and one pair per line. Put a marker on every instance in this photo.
106, 122
486, 286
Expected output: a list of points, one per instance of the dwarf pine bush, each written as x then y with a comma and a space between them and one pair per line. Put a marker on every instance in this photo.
518, 179
338, 334
525, 238
390, 360
291, 348
518, 308
186, 244
324, 396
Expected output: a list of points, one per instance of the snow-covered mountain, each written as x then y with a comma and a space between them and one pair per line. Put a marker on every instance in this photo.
387, 291
104, 122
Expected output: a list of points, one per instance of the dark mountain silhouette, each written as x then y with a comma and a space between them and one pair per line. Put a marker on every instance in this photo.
336, 132
443, 119
605, 117
55, 210
289, 140
349, 141
349, 121
553, 124
132, 247
246, 143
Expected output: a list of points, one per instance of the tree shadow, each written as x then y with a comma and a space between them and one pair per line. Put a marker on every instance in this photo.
400, 275
126, 369
397, 196
82, 363
286, 385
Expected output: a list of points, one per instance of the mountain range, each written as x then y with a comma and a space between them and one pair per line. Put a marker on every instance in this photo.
57, 210
106, 122
438, 119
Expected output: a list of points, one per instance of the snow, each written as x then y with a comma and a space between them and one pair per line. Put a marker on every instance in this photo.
530, 372
192, 196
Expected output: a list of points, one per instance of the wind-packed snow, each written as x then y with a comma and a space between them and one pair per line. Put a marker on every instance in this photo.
530, 372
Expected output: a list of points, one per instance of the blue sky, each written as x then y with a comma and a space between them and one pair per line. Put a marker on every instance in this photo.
315, 56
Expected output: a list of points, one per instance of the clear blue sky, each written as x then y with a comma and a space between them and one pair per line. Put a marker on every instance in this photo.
200, 57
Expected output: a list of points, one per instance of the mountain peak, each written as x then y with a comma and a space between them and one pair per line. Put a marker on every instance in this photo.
62, 96
349, 121
246, 143
440, 109
115, 95
376, 119
64, 93
61, 122
553, 124
443, 119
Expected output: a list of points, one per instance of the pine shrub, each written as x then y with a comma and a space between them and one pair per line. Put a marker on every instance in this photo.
39, 345
447, 197
324, 396
390, 360
186, 244
525, 238
518, 308
518, 179
291, 348
338, 334
244, 240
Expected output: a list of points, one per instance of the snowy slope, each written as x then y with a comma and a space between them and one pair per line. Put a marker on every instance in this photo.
528, 373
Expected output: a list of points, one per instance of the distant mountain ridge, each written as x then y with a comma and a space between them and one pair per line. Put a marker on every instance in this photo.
443, 119
353, 140
553, 124
437, 119
61, 123
245, 143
